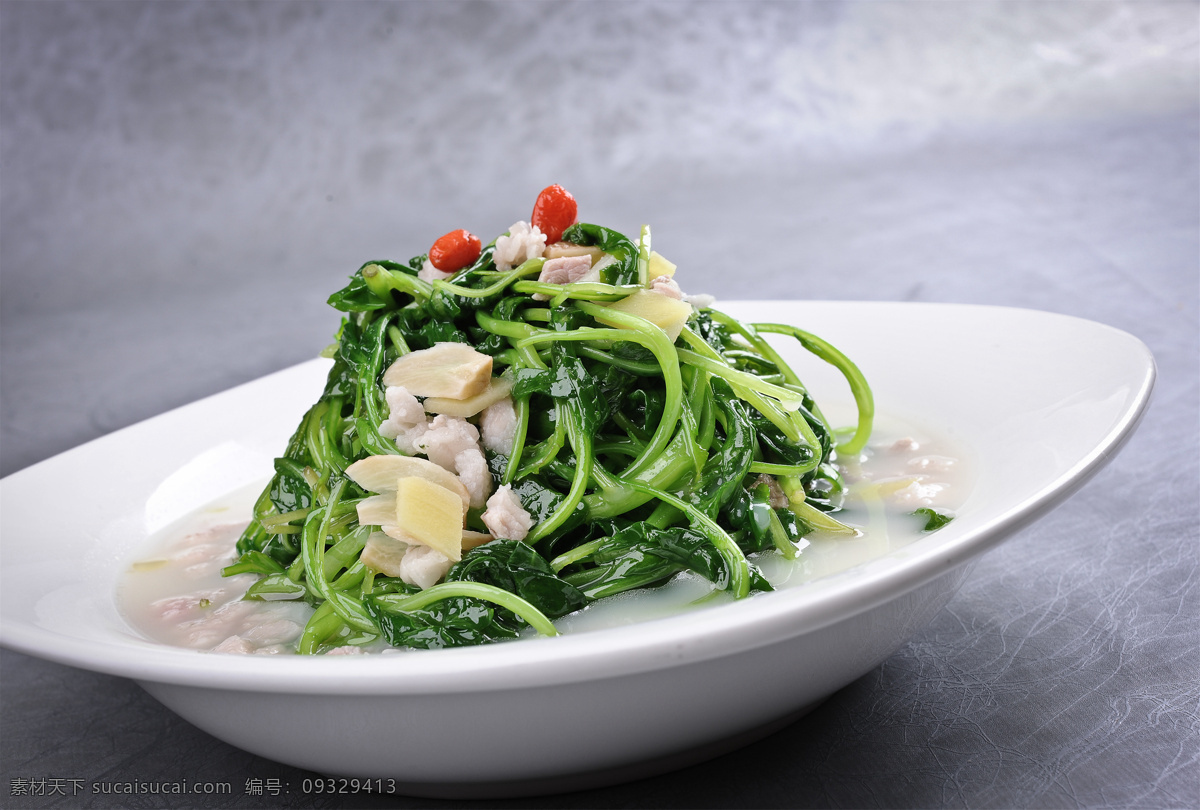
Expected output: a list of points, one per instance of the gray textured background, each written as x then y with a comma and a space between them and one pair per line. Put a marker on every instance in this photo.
182, 184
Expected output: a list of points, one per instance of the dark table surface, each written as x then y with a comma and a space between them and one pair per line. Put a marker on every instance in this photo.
183, 184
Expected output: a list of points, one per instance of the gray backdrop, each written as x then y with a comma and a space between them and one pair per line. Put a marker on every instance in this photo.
182, 184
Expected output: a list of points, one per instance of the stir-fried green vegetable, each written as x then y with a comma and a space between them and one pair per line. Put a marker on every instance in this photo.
637, 455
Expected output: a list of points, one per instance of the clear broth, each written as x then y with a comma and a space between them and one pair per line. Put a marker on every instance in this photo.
174, 592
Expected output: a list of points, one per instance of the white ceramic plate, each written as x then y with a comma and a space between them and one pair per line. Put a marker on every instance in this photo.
1042, 401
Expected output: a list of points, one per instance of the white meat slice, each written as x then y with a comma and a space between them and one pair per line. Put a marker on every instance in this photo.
274, 649
404, 412
201, 570
215, 625
505, 517
523, 242
932, 463
423, 566
276, 631
568, 270
189, 607
473, 472
347, 650
430, 273
235, 645
498, 426
446, 437
919, 493
409, 440
202, 553
665, 285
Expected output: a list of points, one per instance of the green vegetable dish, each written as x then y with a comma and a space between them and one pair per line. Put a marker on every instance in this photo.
512, 431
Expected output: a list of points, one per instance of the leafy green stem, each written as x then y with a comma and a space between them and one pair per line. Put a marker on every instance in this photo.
863, 398
478, 590
735, 560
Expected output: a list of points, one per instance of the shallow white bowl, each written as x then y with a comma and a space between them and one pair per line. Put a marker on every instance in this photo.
1041, 401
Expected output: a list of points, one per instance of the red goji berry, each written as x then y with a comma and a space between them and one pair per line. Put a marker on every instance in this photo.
455, 250
554, 212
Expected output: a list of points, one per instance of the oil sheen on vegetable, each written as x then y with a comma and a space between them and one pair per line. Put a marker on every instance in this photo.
512, 435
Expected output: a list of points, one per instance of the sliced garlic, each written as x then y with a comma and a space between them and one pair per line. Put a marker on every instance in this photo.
383, 553
473, 539
380, 474
497, 389
377, 510
561, 250
453, 370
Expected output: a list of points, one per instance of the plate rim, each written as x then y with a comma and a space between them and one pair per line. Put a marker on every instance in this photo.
587, 656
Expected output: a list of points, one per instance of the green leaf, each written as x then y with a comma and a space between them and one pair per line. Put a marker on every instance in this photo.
528, 381
639, 556
356, 297
934, 518
455, 622
725, 469
275, 587
777, 447
289, 490
620, 247
575, 389
517, 568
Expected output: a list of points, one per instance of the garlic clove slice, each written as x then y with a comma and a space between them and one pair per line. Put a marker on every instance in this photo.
561, 250
380, 474
452, 370
497, 389
377, 510
472, 539
383, 553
